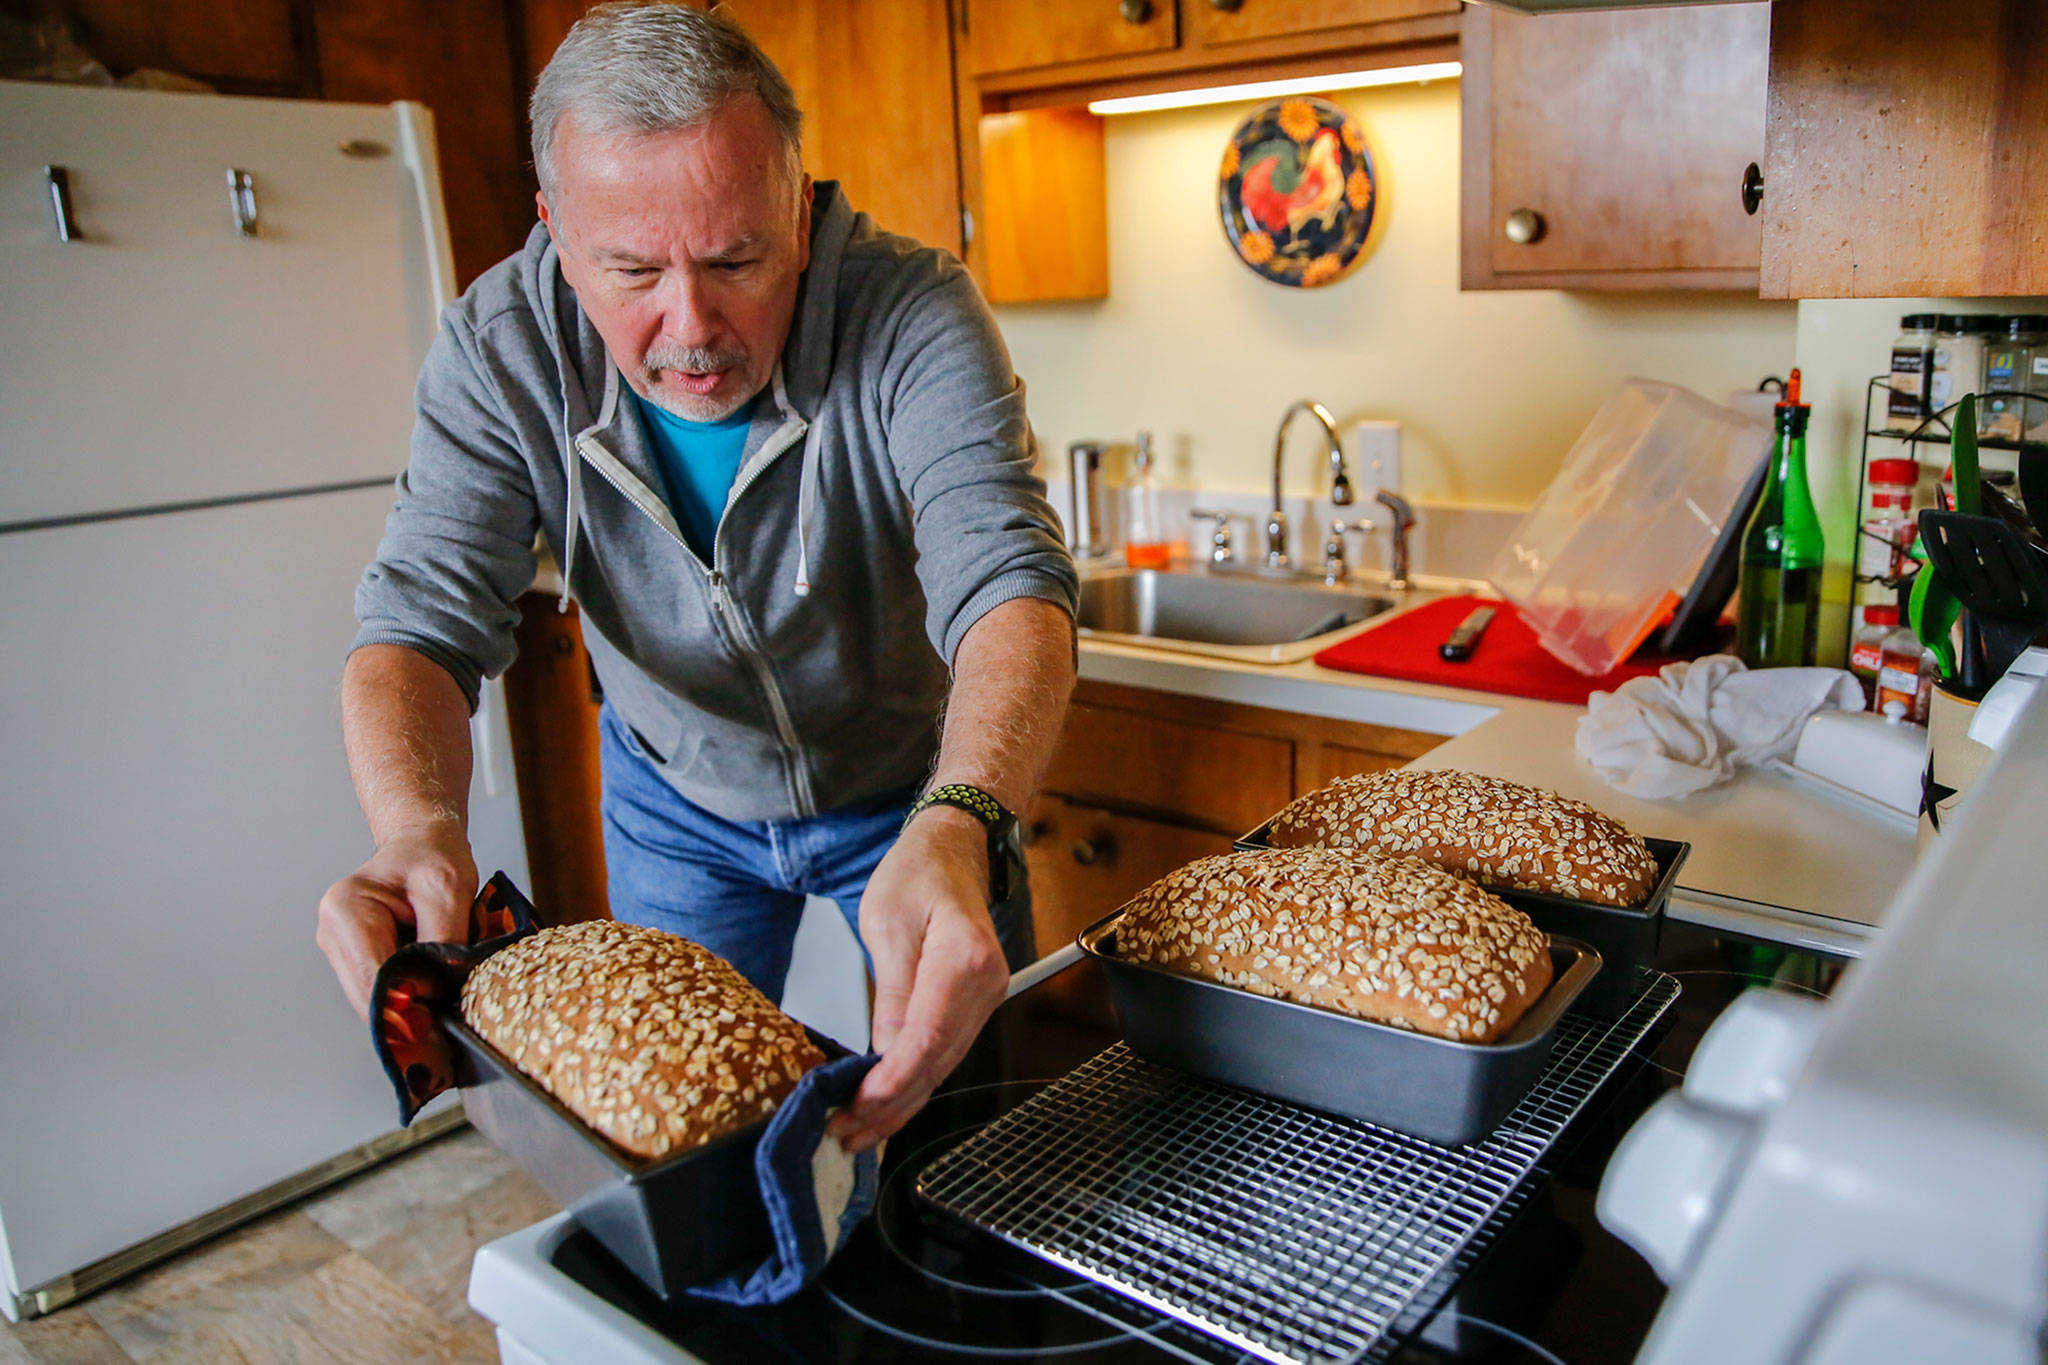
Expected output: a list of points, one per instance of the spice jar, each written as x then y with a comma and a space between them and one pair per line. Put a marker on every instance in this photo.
1912, 370
1866, 647
2008, 361
1959, 357
1884, 549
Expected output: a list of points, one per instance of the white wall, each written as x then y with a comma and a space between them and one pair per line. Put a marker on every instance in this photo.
1492, 387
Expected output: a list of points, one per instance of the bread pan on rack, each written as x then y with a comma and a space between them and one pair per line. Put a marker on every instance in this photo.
1446, 1092
1626, 937
673, 1222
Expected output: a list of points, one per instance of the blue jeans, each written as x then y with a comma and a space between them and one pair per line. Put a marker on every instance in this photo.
738, 886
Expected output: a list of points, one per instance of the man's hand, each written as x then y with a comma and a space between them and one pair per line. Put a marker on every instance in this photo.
939, 971
418, 886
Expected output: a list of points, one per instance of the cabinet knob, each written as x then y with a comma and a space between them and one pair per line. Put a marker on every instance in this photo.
1137, 11
1091, 852
1227, 6
1523, 226
1033, 831
1752, 189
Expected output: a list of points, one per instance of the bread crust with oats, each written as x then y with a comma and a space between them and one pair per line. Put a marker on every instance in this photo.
1393, 940
1495, 831
656, 1042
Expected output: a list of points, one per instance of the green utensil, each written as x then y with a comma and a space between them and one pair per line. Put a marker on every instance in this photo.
1934, 611
1962, 457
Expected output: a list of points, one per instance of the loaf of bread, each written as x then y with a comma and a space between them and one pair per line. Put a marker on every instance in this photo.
656, 1043
1393, 940
1497, 832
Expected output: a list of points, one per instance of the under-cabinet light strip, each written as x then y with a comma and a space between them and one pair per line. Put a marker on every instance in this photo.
1258, 90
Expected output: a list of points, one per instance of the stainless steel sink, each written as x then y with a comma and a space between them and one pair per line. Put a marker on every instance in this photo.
1256, 619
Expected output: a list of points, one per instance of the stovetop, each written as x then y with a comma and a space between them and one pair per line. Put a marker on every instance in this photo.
912, 1285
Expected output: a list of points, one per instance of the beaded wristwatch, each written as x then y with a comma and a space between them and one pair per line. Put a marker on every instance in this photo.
993, 814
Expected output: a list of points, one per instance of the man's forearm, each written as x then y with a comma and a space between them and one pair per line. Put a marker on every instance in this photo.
406, 725
1012, 675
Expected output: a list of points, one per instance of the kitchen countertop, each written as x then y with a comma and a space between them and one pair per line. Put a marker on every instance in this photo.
1770, 860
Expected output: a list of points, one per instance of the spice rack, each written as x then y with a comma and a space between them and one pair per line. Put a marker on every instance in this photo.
1931, 430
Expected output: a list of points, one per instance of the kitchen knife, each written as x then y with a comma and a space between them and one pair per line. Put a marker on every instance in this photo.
1459, 644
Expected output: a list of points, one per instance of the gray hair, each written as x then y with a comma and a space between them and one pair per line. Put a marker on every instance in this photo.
650, 68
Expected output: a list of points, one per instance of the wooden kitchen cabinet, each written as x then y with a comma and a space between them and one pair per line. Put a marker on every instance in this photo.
1613, 146
1906, 150
551, 711
875, 82
1207, 25
1019, 35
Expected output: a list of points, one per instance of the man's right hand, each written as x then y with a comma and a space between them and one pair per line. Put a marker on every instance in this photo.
419, 885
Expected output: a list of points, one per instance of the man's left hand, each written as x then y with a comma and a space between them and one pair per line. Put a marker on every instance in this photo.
939, 970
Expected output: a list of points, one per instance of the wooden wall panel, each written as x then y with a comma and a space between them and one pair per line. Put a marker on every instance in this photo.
455, 56
1907, 149
251, 47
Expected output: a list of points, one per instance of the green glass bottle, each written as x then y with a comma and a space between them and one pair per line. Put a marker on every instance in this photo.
1778, 616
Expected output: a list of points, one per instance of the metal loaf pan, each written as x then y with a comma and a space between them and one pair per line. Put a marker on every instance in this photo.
1447, 1092
675, 1222
1627, 937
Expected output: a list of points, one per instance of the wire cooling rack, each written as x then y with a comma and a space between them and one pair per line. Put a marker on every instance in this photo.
1291, 1235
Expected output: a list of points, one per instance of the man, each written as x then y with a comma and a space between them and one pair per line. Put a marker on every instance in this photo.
783, 462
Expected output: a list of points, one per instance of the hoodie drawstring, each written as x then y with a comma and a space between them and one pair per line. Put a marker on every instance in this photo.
573, 457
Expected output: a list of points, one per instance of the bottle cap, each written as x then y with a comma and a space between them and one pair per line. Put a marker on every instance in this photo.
1895, 471
1790, 398
1143, 453
1881, 614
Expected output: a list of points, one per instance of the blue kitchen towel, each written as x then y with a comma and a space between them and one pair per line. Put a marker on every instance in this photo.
814, 1192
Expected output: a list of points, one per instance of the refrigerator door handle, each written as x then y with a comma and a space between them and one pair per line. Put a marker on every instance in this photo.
242, 201
58, 178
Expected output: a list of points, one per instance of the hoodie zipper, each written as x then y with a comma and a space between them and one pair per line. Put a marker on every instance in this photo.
722, 600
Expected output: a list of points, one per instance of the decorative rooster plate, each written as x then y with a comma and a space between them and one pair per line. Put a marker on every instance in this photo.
1297, 191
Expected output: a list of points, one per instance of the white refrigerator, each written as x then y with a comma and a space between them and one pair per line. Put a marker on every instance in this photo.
212, 310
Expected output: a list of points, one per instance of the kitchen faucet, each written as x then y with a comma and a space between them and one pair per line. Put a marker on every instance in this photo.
1340, 482
1397, 556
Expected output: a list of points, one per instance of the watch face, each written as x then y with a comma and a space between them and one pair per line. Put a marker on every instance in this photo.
1297, 192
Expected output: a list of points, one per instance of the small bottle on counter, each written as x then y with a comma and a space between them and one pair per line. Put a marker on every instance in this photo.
1912, 371
2007, 365
1866, 648
1883, 550
1959, 357
1905, 669
1145, 542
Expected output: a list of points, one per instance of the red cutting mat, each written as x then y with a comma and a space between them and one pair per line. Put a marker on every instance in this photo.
1508, 658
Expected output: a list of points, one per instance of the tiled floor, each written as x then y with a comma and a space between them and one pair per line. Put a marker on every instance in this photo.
371, 1272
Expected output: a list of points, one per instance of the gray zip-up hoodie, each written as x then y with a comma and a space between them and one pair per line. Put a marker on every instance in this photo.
885, 501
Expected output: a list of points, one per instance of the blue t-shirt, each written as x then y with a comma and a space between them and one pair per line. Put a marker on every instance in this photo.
699, 461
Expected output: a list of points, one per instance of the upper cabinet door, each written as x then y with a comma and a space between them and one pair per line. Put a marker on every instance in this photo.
1908, 150
1210, 22
1019, 35
875, 82
1606, 150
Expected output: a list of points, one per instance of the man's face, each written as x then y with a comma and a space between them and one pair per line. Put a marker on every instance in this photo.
684, 249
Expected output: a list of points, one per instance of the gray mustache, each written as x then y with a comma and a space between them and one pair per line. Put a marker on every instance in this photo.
698, 359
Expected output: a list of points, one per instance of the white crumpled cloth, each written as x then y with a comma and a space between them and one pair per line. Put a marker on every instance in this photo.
1693, 724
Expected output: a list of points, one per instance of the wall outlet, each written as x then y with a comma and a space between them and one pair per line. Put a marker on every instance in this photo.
1376, 446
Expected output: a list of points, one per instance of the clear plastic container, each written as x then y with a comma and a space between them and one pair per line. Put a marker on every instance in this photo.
1621, 532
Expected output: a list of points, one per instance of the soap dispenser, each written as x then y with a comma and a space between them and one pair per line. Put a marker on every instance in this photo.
1145, 542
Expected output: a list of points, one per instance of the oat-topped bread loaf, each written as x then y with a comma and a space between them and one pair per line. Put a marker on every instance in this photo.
1388, 939
1498, 832
655, 1042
